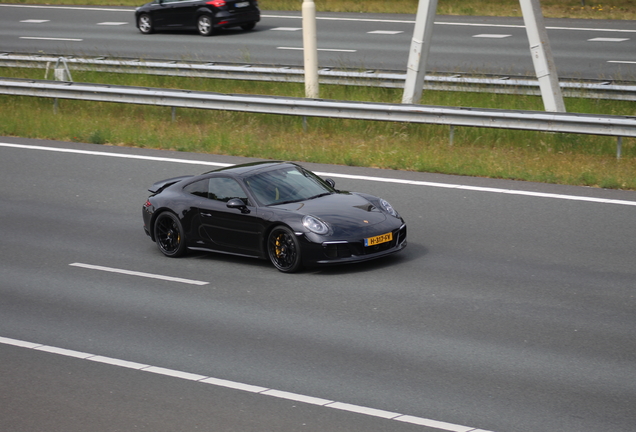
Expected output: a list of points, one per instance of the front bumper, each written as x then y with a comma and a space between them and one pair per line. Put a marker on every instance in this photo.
350, 251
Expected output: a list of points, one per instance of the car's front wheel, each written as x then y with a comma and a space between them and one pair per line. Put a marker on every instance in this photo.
169, 235
144, 22
205, 26
283, 249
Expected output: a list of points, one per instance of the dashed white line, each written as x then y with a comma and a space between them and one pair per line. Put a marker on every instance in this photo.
385, 32
606, 39
319, 49
51, 39
289, 29
140, 274
347, 176
326, 403
34, 21
112, 23
491, 36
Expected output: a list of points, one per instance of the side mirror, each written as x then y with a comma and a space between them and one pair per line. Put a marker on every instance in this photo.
330, 182
237, 203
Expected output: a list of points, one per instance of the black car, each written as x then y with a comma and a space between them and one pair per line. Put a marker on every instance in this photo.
203, 15
271, 210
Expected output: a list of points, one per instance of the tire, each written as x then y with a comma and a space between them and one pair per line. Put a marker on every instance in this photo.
248, 26
204, 25
145, 24
283, 249
169, 235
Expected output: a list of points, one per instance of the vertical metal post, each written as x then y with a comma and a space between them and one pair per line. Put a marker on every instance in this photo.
420, 47
542, 56
619, 147
174, 114
310, 49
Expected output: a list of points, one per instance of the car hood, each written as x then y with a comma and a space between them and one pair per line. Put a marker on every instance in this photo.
342, 211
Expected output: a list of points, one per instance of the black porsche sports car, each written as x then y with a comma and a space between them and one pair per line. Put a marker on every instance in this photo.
271, 210
203, 15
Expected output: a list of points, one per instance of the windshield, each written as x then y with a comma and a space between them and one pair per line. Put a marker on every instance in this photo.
286, 184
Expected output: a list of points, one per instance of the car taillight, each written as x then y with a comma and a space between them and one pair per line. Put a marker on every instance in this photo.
216, 3
147, 204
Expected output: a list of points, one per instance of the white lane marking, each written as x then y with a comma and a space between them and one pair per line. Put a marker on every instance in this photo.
116, 155
319, 49
622, 61
51, 39
326, 403
492, 36
386, 32
140, 274
290, 29
67, 7
112, 23
34, 21
605, 39
336, 175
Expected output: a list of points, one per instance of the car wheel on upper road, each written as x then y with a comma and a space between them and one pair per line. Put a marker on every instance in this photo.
284, 250
169, 235
145, 24
204, 25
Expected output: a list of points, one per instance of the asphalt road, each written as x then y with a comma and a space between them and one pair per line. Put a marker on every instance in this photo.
511, 310
591, 49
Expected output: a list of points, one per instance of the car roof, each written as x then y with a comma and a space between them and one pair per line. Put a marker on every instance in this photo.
242, 170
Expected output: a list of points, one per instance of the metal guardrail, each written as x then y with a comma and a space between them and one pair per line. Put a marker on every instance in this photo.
387, 79
473, 117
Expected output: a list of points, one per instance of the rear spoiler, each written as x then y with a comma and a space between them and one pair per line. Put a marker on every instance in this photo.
161, 185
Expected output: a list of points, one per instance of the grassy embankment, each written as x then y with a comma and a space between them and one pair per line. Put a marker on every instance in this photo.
551, 158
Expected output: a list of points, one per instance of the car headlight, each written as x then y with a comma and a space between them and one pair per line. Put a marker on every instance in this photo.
388, 207
314, 224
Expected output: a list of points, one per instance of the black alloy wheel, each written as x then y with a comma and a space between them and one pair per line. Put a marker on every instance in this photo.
169, 235
283, 249
204, 25
145, 24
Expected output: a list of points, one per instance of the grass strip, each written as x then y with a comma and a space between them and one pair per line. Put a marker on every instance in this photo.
521, 155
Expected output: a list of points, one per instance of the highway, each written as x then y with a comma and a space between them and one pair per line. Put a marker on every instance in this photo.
511, 309
587, 49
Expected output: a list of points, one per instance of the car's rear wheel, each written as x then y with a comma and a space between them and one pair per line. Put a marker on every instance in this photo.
248, 26
169, 235
145, 24
283, 249
204, 25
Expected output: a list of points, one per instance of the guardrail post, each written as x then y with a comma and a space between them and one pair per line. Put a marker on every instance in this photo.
452, 135
619, 146
61, 73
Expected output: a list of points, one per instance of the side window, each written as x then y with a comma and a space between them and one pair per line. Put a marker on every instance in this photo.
199, 188
224, 189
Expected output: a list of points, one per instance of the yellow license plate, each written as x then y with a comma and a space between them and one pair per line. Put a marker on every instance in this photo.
372, 241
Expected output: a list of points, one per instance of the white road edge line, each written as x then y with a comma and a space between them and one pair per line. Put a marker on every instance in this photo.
140, 274
372, 412
336, 175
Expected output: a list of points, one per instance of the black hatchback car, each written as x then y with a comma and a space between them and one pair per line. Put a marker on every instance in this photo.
205, 16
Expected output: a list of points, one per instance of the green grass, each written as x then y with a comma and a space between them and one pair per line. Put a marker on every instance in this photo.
610, 9
521, 155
